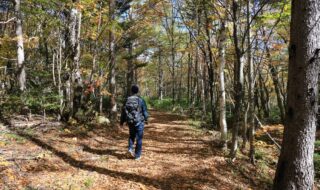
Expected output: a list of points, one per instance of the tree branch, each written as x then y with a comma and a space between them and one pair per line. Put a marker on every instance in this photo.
7, 58
268, 134
6, 22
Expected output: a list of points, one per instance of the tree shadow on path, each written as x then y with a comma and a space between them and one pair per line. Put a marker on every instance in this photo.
82, 165
111, 152
175, 157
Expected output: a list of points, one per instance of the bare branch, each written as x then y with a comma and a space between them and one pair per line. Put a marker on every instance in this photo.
7, 58
6, 22
268, 134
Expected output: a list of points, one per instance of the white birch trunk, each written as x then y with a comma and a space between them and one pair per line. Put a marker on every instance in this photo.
20, 48
222, 100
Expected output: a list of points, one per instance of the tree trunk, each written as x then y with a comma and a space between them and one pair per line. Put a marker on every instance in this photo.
295, 166
189, 84
130, 70
180, 83
76, 80
100, 92
160, 76
21, 74
72, 55
196, 88
173, 75
275, 79
276, 83
95, 48
210, 65
202, 82
60, 90
112, 61
251, 81
264, 94
173, 55
222, 97
238, 82
53, 69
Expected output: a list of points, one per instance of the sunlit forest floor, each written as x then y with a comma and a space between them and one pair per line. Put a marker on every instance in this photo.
176, 155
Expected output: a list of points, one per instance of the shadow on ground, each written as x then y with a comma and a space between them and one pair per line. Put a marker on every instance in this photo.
175, 156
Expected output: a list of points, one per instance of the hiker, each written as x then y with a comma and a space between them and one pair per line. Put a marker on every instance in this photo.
135, 114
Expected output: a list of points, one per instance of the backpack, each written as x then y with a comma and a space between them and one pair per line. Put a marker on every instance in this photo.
133, 110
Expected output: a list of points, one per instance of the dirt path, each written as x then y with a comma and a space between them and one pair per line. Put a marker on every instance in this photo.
175, 156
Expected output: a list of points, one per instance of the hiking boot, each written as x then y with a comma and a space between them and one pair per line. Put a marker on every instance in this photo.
131, 153
138, 158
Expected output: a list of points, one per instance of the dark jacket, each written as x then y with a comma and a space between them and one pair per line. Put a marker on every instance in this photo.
144, 112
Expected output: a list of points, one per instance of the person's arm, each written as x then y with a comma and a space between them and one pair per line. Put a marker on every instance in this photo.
144, 110
123, 117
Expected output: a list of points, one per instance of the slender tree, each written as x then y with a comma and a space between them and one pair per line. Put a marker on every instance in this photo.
238, 79
222, 98
251, 81
21, 74
112, 63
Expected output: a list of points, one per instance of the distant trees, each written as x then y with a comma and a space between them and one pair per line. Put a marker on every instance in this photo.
224, 62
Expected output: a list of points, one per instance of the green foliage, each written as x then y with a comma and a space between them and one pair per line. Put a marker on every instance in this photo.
88, 182
14, 138
34, 99
38, 100
194, 123
148, 101
259, 155
317, 164
264, 174
11, 103
317, 144
167, 105
274, 115
164, 104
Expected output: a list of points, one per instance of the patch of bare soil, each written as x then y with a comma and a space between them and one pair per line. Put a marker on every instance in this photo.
175, 156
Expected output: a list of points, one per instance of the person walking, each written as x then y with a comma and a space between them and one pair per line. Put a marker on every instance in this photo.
135, 114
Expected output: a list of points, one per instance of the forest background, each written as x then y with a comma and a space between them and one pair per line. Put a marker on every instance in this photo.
222, 63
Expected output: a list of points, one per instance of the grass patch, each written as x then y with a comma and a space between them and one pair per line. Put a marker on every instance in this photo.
259, 155
165, 104
88, 182
14, 138
264, 175
194, 123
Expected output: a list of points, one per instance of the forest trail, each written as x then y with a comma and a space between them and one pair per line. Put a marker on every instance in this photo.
175, 156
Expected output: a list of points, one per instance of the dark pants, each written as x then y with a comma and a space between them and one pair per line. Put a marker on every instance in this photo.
136, 133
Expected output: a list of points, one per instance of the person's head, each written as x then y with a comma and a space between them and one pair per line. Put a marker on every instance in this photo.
134, 89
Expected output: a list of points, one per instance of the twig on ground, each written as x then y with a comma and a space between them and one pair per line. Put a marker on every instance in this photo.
268, 134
